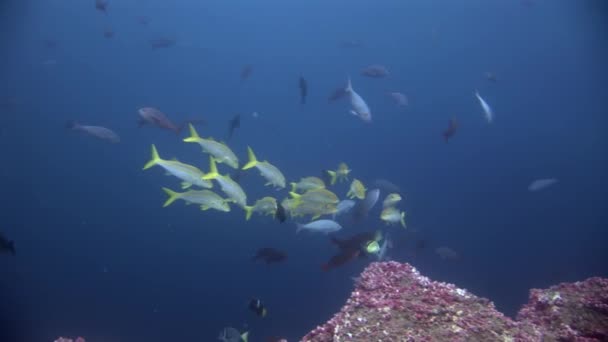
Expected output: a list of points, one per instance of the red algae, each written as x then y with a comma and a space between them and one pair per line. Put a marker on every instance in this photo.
394, 302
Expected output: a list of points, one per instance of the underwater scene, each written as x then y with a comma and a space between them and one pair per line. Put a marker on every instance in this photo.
264, 170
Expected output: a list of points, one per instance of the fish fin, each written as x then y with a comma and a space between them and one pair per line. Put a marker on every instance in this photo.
248, 212
186, 185
154, 160
295, 195
403, 219
245, 336
354, 113
194, 137
252, 159
213, 174
299, 227
349, 86
172, 196
333, 175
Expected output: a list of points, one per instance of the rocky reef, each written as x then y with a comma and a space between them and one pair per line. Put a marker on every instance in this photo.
394, 302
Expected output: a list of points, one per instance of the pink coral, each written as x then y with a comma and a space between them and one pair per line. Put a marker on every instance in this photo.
392, 300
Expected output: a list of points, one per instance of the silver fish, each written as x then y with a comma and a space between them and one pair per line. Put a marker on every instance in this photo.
96, 131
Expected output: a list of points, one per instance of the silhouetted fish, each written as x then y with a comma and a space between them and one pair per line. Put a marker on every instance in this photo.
101, 5
7, 245
95, 131
233, 124
269, 255
303, 90
375, 71
451, 130
281, 214
350, 249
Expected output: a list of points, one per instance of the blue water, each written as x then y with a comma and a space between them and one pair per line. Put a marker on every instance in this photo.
99, 257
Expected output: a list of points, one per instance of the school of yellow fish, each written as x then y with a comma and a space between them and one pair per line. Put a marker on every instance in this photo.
308, 197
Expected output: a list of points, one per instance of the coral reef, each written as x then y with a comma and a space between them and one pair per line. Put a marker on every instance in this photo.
393, 302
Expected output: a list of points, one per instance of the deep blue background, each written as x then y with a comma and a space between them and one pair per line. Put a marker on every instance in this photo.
76, 205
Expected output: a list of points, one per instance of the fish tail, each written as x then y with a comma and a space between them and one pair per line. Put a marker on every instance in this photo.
252, 159
349, 85
293, 186
194, 137
299, 227
172, 196
245, 336
402, 219
334, 177
154, 160
248, 212
213, 174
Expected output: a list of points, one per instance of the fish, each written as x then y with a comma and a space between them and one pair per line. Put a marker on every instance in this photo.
392, 215
490, 76
102, 6
7, 246
357, 190
190, 175
341, 174
231, 188
320, 196
451, 130
343, 207
269, 255
246, 72
265, 206
303, 89
358, 106
271, 173
541, 184
233, 124
154, 117
386, 244
207, 199
258, 307
446, 253
307, 183
220, 152
281, 214
233, 335
162, 43
362, 208
95, 131
375, 71
337, 94
320, 226
487, 110
391, 200
350, 249
400, 99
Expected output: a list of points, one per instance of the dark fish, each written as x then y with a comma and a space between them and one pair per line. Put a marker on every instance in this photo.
6, 245
281, 214
350, 249
108, 33
490, 76
162, 42
233, 124
451, 130
154, 117
269, 255
303, 90
337, 94
101, 5
375, 71
246, 72
257, 307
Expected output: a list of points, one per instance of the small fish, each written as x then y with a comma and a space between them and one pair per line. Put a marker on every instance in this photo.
541, 184
258, 307
386, 244
269, 255
154, 117
108, 33
487, 110
391, 200
451, 130
343, 207
320, 226
375, 71
264, 206
362, 208
231, 188
246, 72
220, 152
7, 246
273, 175
307, 183
446, 253
95, 131
233, 335
341, 174
392, 215
162, 43
281, 215
233, 124
190, 175
350, 249
102, 6
143, 20
207, 199
400, 99
357, 190
358, 106
490, 76
303, 89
